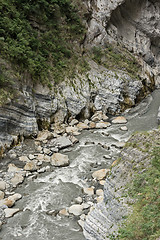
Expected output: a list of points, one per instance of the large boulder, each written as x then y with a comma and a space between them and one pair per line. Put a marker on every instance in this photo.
59, 160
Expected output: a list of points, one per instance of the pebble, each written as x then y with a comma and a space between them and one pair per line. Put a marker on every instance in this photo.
99, 192
76, 209
100, 199
124, 128
30, 166
2, 185
64, 212
100, 174
24, 159
89, 191
59, 160
31, 156
78, 200
1, 195
102, 182
17, 179
41, 170
12, 168
119, 120
9, 212
83, 217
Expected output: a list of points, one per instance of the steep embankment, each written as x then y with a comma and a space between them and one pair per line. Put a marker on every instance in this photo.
133, 180
44, 43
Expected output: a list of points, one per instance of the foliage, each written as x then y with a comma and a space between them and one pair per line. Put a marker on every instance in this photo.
144, 222
37, 36
115, 57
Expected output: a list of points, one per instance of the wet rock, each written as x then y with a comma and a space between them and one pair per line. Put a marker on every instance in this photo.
73, 122
2, 185
7, 202
44, 135
81, 223
64, 212
13, 168
59, 160
63, 142
100, 174
17, 179
12, 154
24, 159
124, 128
99, 192
102, 182
99, 199
82, 126
73, 139
92, 125
119, 120
31, 156
9, 212
72, 130
15, 197
30, 166
100, 125
1, 195
76, 209
89, 191
107, 156
78, 200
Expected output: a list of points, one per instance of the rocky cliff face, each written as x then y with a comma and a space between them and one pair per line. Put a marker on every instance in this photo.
133, 24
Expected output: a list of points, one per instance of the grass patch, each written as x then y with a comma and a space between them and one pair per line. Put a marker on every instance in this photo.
116, 58
144, 222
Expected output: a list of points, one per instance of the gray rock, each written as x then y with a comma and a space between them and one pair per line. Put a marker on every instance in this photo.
9, 212
62, 142
76, 209
59, 160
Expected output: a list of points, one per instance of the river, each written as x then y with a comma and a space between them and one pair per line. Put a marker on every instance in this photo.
57, 189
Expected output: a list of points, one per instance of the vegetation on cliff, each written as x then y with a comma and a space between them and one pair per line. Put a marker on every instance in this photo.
144, 222
39, 38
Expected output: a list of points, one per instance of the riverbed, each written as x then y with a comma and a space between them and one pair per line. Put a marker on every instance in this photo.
55, 190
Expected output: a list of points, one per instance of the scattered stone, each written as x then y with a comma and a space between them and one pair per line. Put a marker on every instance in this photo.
48, 168
30, 166
17, 179
100, 199
92, 125
85, 205
119, 120
86, 121
44, 135
82, 126
72, 130
13, 168
76, 209
89, 191
100, 125
2, 185
59, 160
99, 192
98, 116
12, 154
47, 158
46, 150
7, 202
78, 200
81, 223
102, 182
73, 122
64, 212
100, 174
9, 212
73, 139
40, 157
15, 197
31, 156
39, 148
41, 170
124, 128
63, 142
1, 195
83, 217
24, 159
39, 163
107, 156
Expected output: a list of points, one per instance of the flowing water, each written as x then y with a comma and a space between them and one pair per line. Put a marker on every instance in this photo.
57, 189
